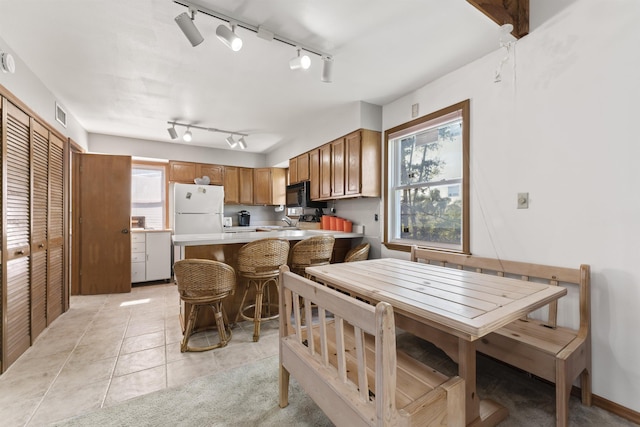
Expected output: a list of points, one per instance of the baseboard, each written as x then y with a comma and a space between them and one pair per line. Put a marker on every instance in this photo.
614, 408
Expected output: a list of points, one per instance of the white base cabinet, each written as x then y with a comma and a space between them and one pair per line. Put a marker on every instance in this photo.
150, 256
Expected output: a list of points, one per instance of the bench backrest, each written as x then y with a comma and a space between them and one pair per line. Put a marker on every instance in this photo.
329, 312
521, 270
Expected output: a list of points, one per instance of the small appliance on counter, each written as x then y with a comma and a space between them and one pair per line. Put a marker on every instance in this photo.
244, 218
227, 221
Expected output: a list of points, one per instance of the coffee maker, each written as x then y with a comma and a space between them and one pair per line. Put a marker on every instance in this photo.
244, 217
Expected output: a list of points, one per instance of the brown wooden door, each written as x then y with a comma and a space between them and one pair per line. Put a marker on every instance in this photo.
352, 164
293, 170
214, 172
337, 167
104, 209
325, 171
303, 167
231, 185
262, 186
183, 172
16, 331
39, 226
56, 295
314, 174
246, 186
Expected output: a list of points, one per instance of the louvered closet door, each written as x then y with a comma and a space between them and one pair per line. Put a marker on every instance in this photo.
16, 333
55, 286
39, 226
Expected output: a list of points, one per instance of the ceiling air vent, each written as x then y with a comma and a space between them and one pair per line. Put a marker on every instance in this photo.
61, 115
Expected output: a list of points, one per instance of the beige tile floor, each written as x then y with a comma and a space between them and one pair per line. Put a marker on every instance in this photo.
110, 348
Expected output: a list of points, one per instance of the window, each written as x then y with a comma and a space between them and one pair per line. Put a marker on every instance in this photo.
148, 194
428, 189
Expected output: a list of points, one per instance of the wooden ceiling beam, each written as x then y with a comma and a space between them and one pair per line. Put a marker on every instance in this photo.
514, 12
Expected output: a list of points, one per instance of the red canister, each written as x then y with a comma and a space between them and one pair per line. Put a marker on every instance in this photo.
339, 224
332, 221
326, 224
348, 226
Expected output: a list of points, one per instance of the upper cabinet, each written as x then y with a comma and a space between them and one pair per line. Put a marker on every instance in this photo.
187, 172
238, 185
269, 186
214, 172
346, 167
183, 172
299, 168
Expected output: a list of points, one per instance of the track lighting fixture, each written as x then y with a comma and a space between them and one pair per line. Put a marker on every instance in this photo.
229, 37
327, 68
242, 143
230, 141
185, 22
188, 136
172, 132
301, 61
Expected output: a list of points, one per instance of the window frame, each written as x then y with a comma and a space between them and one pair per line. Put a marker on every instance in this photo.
148, 164
464, 107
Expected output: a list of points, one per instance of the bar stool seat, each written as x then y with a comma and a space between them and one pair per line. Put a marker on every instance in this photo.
259, 265
201, 283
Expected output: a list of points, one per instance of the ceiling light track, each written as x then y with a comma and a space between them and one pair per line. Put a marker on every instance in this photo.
263, 33
187, 135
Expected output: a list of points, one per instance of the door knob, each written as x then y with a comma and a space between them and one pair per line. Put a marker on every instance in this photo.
125, 231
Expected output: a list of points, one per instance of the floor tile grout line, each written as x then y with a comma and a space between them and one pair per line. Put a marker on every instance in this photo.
124, 334
55, 377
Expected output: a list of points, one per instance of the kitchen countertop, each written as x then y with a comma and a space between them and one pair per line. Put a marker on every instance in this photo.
250, 236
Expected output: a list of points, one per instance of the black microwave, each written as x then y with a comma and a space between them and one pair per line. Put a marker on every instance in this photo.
299, 195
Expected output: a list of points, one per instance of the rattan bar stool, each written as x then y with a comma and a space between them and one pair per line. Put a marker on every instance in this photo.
312, 251
203, 282
359, 253
259, 265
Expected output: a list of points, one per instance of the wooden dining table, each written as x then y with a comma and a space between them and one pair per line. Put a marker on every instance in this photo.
448, 307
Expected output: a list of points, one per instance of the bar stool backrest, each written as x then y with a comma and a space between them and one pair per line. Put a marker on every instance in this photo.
198, 278
263, 258
312, 251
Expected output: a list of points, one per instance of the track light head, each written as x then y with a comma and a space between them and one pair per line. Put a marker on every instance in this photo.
230, 141
172, 132
229, 37
327, 68
300, 62
185, 22
187, 136
242, 143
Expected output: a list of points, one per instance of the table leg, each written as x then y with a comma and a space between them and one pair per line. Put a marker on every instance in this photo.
467, 371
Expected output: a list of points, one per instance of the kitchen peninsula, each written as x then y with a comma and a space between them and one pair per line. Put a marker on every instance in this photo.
224, 247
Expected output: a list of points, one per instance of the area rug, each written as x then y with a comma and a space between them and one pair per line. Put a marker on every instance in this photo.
248, 396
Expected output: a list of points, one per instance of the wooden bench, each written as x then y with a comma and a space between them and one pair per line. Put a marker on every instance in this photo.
347, 362
541, 347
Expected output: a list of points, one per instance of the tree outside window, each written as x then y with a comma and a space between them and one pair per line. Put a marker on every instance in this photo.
428, 163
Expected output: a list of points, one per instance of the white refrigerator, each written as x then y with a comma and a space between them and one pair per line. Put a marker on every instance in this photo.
197, 209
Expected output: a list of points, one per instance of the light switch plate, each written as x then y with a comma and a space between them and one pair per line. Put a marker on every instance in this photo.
523, 200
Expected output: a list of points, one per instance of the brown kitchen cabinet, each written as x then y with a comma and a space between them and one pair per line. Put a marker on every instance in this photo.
214, 172
269, 186
182, 172
337, 167
231, 185
325, 171
293, 170
350, 166
314, 174
246, 186
299, 168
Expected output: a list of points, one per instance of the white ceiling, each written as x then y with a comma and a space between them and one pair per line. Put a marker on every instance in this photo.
124, 68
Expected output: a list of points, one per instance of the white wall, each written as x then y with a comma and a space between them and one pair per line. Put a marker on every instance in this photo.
28, 88
108, 144
561, 126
